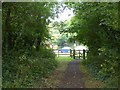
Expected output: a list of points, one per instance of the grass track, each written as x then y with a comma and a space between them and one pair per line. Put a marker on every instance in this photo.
53, 80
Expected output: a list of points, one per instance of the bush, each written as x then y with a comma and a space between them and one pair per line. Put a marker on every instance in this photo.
104, 67
94, 62
21, 68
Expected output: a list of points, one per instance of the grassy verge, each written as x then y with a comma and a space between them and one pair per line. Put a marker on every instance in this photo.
53, 80
89, 80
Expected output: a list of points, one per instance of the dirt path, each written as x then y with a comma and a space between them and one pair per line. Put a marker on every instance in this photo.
73, 76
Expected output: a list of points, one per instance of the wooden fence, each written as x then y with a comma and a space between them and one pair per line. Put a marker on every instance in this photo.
78, 53
74, 53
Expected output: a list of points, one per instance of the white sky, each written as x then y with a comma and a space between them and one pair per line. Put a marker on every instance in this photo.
59, 0
65, 15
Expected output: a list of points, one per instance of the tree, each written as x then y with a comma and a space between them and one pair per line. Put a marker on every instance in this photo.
96, 25
25, 31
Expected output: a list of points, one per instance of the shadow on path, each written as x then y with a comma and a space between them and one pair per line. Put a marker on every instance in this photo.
73, 76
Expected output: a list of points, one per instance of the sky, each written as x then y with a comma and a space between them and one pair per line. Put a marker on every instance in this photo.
65, 15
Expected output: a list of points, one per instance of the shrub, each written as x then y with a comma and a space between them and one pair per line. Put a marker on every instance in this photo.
21, 68
104, 67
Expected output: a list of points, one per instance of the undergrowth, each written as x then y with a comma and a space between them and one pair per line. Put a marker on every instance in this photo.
22, 68
103, 69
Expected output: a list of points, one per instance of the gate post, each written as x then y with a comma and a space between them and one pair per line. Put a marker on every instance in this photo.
58, 52
79, 54
74, 53
70, 53
83, 53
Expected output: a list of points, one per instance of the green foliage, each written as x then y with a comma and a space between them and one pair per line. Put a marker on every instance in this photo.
25, 24
62, 41
26, 57
96, 25
22, 69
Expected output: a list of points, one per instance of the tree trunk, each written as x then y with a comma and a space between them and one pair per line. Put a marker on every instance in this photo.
8, 30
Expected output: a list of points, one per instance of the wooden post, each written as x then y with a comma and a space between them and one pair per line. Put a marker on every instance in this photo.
79, 54
74, 53
58, 52
83, 53
70, 53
